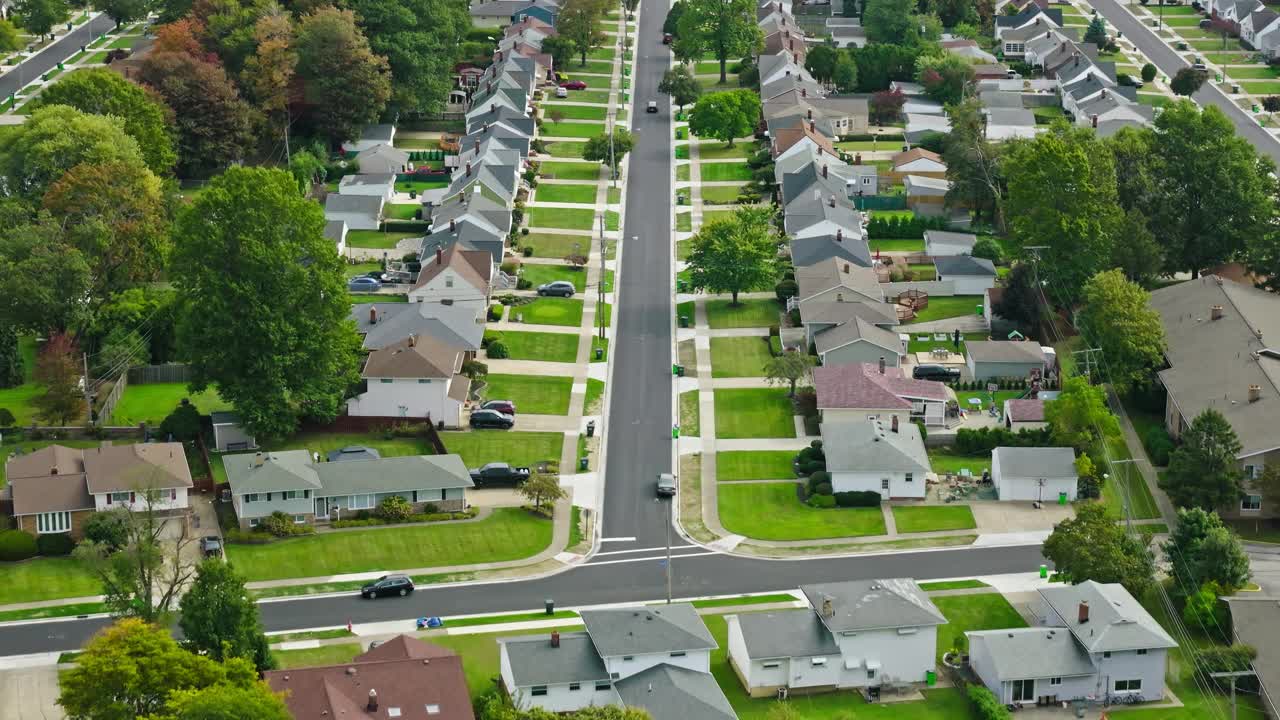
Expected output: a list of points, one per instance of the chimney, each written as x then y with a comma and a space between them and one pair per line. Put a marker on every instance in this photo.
831, 201
881, 364
439, 255
373, 701
555, 639
453, 224
804, 92
893, 425
809, 114
824, 171
788, 73
1255, 393
1215, 312
53, 471
413, 340
846, 268
373, 314
1095, 122
827, 609
839, 234
468, 169
493, 107
1082, 614
258, 460
857, 159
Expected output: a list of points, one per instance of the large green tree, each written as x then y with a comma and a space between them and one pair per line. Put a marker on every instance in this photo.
1203, 471
219, 619
43, 282
724, 28
124, 11
576, 22
725, 115
1062, 198
12, 370
214, 124
879, 64
681, 85
104, 92
945, 76
56, 139
735, 254
1117, 318
421, 41
9, 39
1201, 549
39, 17
821, 62
255, 701
251, 248
61, 399
1134, 153
888, 21
1091, 546
604, 149
1197, 149
345, 82
1080, 416
1136, 252
973, 164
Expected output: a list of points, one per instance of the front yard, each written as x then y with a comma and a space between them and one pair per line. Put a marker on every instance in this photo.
153, 402
478, 447
547, 347
572, 129
45, 578
557, 246
733, 357
752, 312
539, 274
754, 413
584, 193
549, 311
532, 394
931, 518
754, 465
570, 170
773, 511
508, 534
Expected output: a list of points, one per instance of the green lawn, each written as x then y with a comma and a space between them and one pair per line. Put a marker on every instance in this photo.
539, 274
478, 447
562, 218
570, 170
690, 414
754, 465
952, 585
555, 245
753, 312
929, 518
853, 146
18, 399
963, 396
152, 403
941, 307
566, 193
1127, 481
125, 42
1214, 45
314, 657
943, 461
599, 343
565, 149
739, 356
723, 171
683, 171
572, 130
1259, 72
1261, 87
721, 194
915, 346
1154, 100
96, 58
508, 534
573, 112
965, 613
754, 413
915, 245
587, 96
684, 221
419, 186
548, 347
772, 511
378, 239
596, 66
716, 150
594, 396
359, 298
549, 311
405, 211
713, 215
532, 394
45, 579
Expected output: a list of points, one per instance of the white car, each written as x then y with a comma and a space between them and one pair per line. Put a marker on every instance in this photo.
652, 107
562, 92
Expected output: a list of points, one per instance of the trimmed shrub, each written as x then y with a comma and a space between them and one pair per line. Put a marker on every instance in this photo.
526, 251
1149, 72
775, 345
986, 705
1158, 445
988, 249
823, 489
55, 545
16, 545
109, 529
278, 524
924, 433
858, 498
394, 509
822, 501
984, 440
786, 289
495, 313
818, 479
497, 350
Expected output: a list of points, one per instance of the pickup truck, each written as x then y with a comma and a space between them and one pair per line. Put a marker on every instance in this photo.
499, 474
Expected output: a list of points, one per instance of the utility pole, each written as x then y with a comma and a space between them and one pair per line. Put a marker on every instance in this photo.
88, 399
1124, 495
604, 244
613, 168
1233, 676
1089, 362
670, 503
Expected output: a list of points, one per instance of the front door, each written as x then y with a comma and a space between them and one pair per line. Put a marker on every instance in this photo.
1024, 691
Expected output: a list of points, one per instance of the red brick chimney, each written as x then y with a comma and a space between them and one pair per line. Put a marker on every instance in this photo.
555, 639
453, 224
373, 701
373, 320
824, 171
439, 256
894, 424
857, 159
1082, 615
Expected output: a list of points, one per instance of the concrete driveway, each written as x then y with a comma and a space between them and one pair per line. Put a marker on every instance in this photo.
30, 694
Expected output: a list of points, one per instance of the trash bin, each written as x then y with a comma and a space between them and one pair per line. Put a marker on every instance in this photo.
550, 606
1062, 498
977, 309
1044, 572
930, 678
684, 321
679, 371
591, 428
583, 464
599, 353
679, 133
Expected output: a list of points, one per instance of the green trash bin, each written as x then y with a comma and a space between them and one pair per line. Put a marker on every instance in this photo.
977, 309
684, 321
679, 133
930, 678
1044, 572
1062, 498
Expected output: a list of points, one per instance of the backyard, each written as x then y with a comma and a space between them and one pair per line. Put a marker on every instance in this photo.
754, 413
152, 403
943, 307
377, 239
773, 511
965, 613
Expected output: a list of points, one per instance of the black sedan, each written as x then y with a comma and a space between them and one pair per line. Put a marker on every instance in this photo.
492, 419
386, 585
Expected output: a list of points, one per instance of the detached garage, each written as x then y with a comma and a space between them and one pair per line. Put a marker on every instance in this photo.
1034, 473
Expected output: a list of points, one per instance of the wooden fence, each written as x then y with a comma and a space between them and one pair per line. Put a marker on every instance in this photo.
109, 404
167, 373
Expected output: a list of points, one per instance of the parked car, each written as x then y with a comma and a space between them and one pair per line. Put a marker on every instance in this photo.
941, 373
666, 485
652, 107
499, 474
211, 546
492, 419
561, 288
1206, 24
666, 38
573, 85
364, 283
1200, 66
562, 92
506, 407
387, 585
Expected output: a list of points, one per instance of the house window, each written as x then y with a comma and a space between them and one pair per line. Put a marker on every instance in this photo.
770, 665
628, 658
121, 497
884, 483
306, 494
173, 495
575, 687
871, 674
299, 519
678, 654
288, 494
251, 497
424, 381
53, 522
910, 477
602, 685
360, 502
1251, 502
1055, 681
385, 381
866, 181
1142, 651
817, 662
1128, 686
537, 690
1106, 654
253, 522
1251, 471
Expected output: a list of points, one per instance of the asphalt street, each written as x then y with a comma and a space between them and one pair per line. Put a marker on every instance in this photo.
629, 566
63, 48
1169, 62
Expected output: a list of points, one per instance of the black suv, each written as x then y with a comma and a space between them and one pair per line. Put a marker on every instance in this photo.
387, 585
941, 373
491, 419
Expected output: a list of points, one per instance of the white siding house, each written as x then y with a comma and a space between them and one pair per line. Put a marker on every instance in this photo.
871, 455
456, 277
1034, 473
419, 377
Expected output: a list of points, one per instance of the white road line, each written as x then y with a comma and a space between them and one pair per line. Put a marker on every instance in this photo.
655, 558
618, 539
674, 548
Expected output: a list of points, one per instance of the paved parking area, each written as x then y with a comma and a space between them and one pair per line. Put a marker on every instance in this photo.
30, 694
1017, 516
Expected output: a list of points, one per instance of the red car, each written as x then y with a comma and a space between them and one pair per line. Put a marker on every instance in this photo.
666, 38
574, 85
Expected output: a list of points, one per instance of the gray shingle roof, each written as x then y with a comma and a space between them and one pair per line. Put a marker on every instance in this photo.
535, 662
947, 237
669, 692
873, 604
1116, 620
1005, 351
452, 324
294, 470
1038, 462
871, 446
1027, 653
640, 630
280, 470
370, 205
367, 180
964, 265
812, 250
853, 331
786, 633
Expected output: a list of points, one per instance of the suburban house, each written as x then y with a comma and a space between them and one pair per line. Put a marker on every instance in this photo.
371, 136
925, 123
386, 324
1220, 338
418, 377
918, 161
655, 657
1091, 640
295, 483
968, 49
56, 488
1013, 41
861, 390
359, 212
820, 248
861, 633
455, 276
1255, 621
383, 159
938, 243
871, 455
228, 434
381, 185
857, 341
1259, 30
336, 232
1034, 474
969, 275
991, 359
1009, 123
1024, 414
401, 678
925, 195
